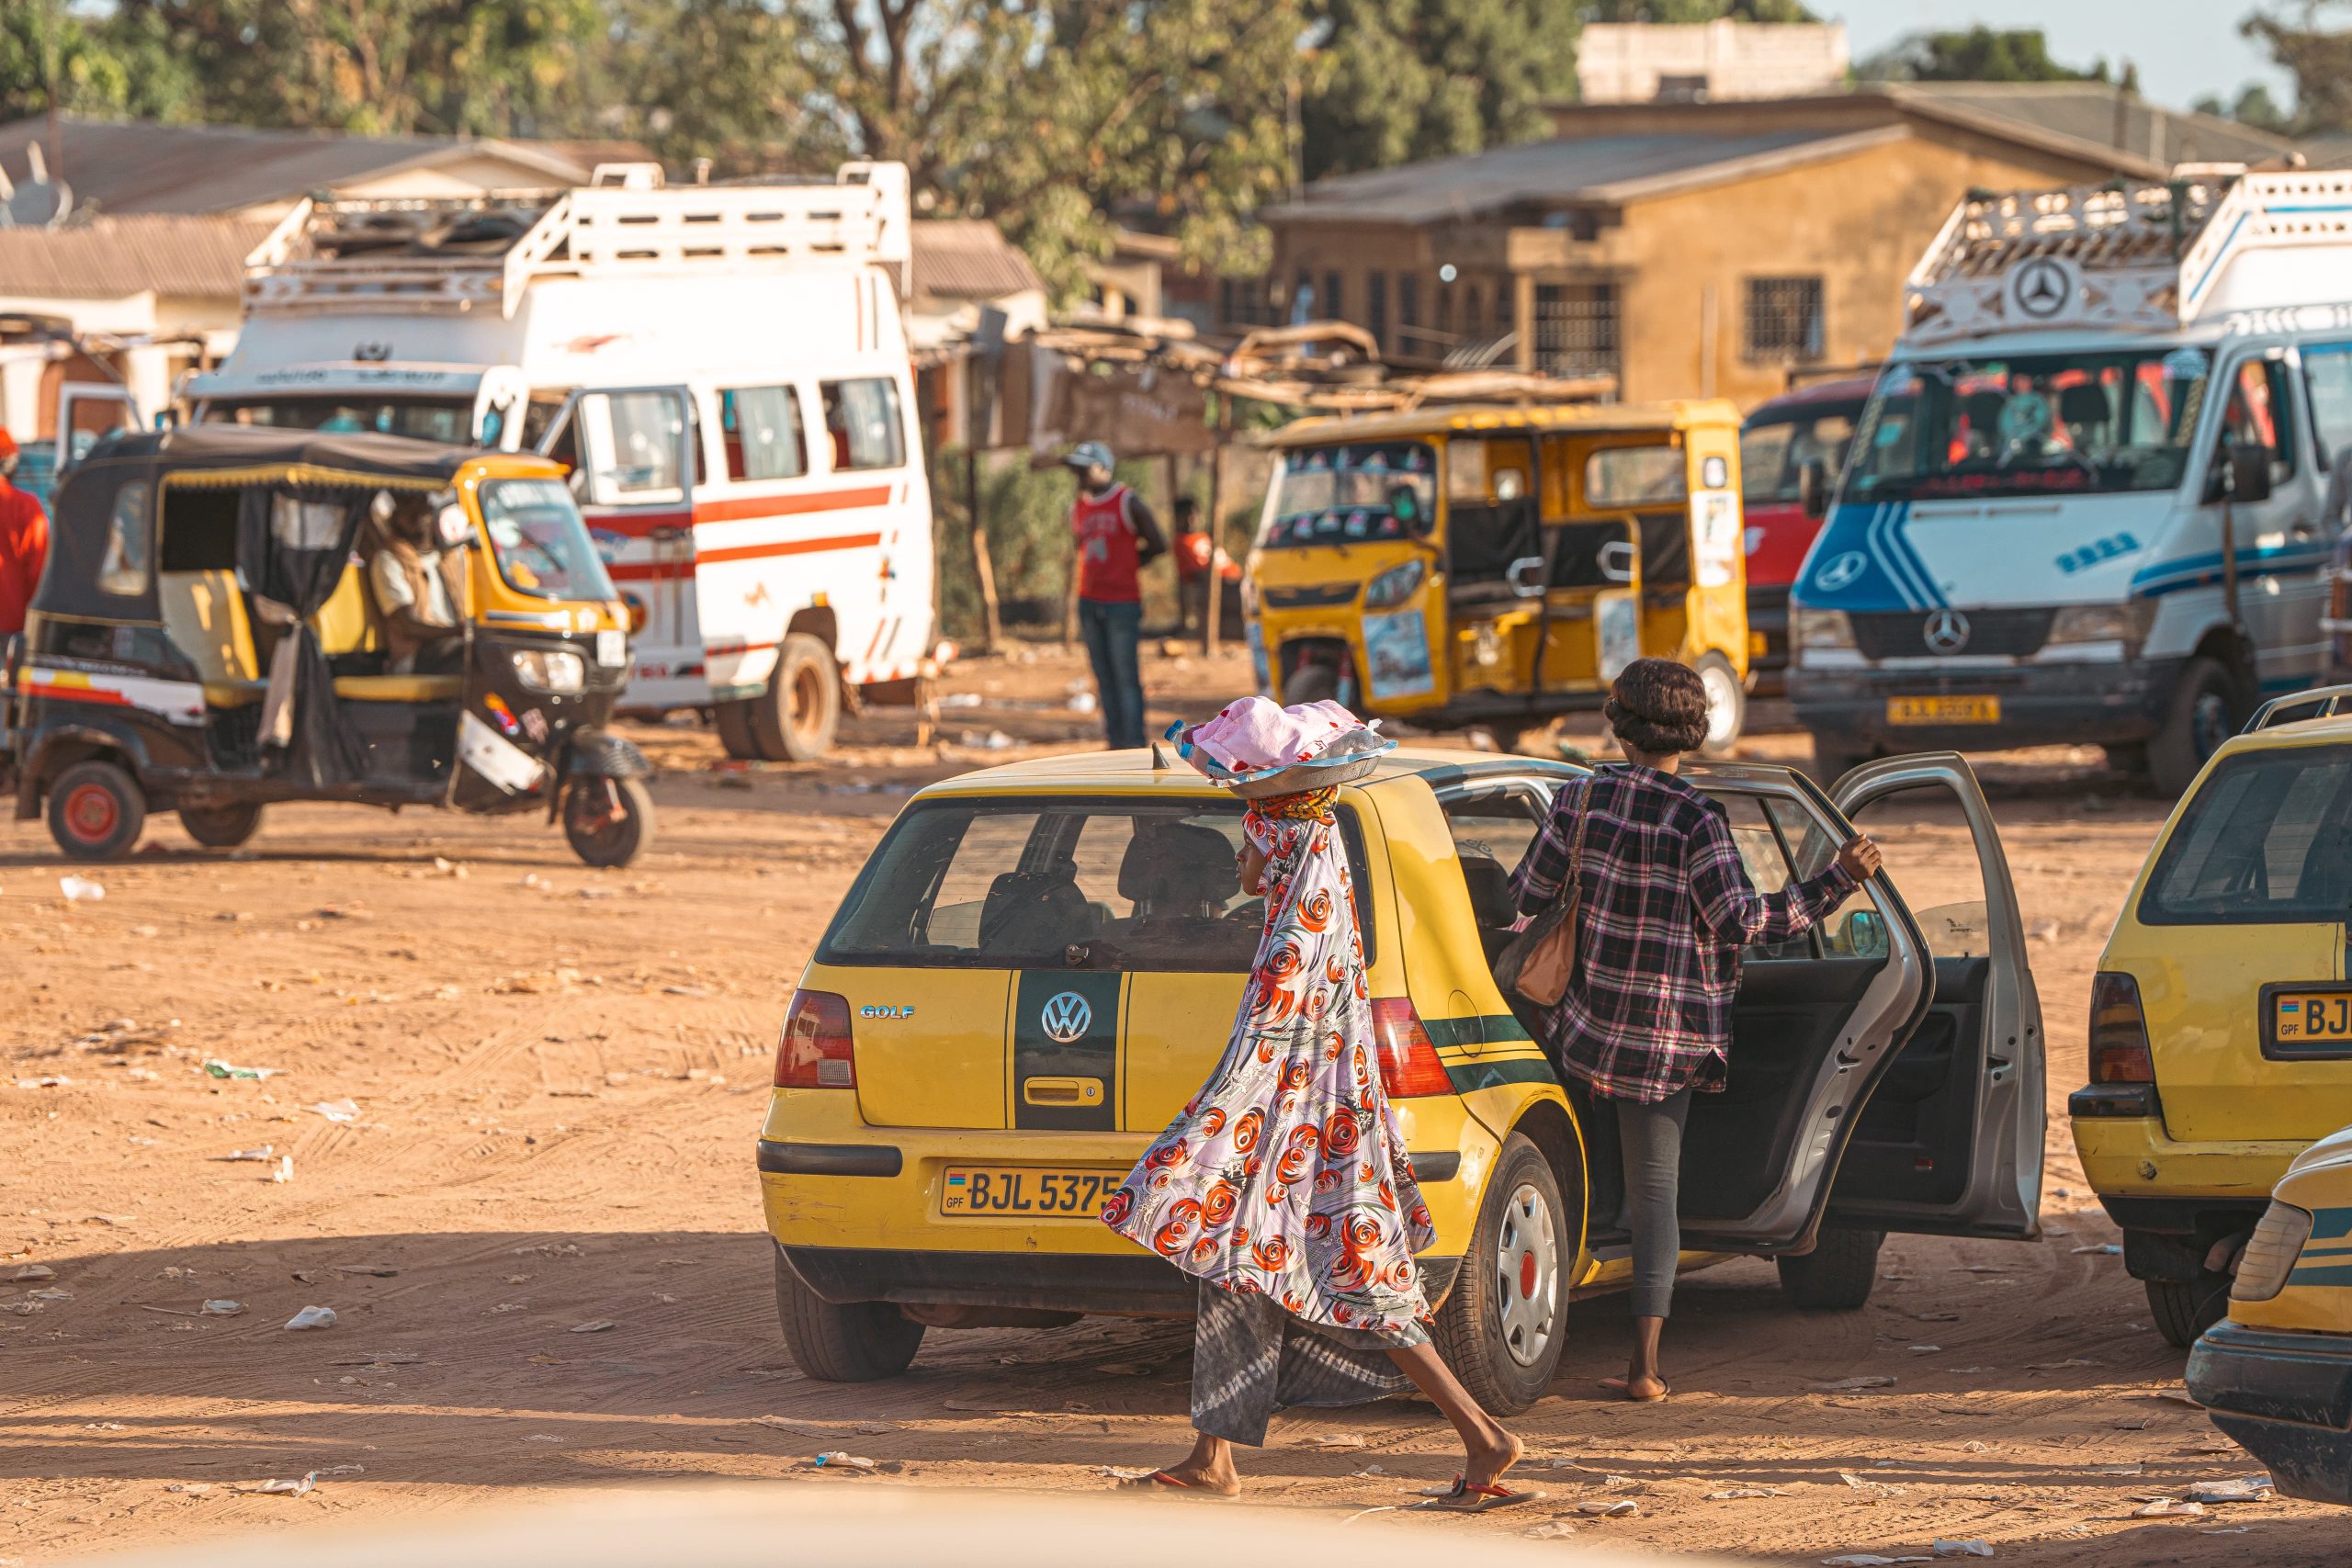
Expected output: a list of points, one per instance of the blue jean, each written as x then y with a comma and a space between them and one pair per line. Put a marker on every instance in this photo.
1113, 630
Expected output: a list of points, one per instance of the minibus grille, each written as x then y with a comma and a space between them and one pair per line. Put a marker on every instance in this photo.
1904, 634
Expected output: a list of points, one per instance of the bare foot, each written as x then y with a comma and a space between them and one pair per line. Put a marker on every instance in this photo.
1489, 1460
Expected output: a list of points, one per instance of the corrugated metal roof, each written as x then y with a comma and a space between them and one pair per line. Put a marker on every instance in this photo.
135, 166
1560, 170
2088, 111
112, 257
967, 258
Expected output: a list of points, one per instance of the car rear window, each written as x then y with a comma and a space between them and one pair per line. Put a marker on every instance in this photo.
2266, 842
1019, 883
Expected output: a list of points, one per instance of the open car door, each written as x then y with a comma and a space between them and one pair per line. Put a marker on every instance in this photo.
1951, 1140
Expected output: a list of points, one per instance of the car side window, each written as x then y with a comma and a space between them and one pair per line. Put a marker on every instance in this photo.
124, 568
1492, 826
760, 429
1766, 860
2262, 414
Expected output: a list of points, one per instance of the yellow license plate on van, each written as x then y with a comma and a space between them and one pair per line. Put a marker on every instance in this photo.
2311, 1018
1001, 1191
1943, 710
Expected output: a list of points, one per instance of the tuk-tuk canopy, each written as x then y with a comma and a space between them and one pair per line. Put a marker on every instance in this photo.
83, 533
1482, 419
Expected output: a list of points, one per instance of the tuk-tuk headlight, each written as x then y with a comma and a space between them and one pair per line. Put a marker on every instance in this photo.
2270, 1254
1814, 628
1393, 586
550, 669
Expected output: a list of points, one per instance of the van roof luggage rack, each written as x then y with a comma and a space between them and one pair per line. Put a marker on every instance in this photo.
2321, 701
2139, 254
422, 256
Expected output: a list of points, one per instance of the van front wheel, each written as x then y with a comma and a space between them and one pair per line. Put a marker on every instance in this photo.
857, 1342
794, 719
1503, 1325
2204, 713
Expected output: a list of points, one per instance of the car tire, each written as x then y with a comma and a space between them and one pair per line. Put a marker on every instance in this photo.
1837, 1275
221, 826
2205, 712
859, 1342
1503, 1325
737, 736
795, 718
96, 811
614, 842
2187, 1308
1726, 705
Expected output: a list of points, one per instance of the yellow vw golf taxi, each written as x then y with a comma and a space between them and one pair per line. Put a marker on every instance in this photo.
2221, 1030
1041, 962
2278, 1374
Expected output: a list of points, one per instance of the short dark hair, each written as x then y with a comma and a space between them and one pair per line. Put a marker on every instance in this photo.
1187, 507
1658, 707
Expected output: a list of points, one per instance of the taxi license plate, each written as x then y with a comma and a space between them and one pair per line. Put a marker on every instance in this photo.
2306, 1019
997, 1189
1943, 710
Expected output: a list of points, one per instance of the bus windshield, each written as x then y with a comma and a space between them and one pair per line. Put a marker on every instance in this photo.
1349, 493
2029, 424
445, 419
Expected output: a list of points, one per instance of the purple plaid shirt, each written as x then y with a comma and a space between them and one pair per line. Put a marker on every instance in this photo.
1666, 908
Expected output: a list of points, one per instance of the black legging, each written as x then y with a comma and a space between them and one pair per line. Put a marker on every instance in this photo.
1650, 1140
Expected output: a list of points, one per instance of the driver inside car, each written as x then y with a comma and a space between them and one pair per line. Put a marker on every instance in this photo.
416, 594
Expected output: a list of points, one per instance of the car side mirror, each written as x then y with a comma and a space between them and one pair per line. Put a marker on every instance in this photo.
1865, 935
1813, 488
2249, 472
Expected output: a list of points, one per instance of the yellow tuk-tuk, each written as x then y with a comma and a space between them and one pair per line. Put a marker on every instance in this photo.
1498, 567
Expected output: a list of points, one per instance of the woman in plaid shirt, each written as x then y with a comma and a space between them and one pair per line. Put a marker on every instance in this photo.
1666, 908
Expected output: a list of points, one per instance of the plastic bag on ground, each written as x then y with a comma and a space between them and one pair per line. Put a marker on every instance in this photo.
312, 1317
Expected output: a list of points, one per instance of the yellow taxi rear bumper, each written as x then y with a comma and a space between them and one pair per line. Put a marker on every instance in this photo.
2132, 1158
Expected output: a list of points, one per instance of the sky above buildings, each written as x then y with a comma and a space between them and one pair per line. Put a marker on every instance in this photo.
2184, 47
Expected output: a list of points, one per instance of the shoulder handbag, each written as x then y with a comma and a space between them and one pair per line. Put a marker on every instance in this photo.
1539, 960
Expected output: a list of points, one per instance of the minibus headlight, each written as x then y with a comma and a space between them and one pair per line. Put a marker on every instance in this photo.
550, 669
1393, 586
2269, 1255
2102, 623
1811, 628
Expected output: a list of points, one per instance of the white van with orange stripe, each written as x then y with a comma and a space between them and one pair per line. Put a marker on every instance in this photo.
725, 368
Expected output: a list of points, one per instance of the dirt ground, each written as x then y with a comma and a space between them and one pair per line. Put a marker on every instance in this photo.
539, 1226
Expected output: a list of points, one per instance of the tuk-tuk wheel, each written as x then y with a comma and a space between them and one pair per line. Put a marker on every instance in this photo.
1726, 705
96, 811
221, 826
608, 821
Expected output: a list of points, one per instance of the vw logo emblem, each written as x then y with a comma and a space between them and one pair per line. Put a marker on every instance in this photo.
1838, 571
1945, 632
2043, 288
1066, 1018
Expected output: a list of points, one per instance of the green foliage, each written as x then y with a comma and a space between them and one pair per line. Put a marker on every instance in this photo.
1687, 11
1408, 79
101, 71
1979, 55
2253, 106
2318, 56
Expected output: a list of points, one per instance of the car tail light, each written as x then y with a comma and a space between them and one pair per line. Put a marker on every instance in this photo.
2271, 1253
816, 1051
2119, 1033
1409, 1062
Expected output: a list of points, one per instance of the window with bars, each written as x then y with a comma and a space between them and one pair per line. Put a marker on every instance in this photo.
1409, 299
1577, 329
1784, 319
1376, 306
1333, 306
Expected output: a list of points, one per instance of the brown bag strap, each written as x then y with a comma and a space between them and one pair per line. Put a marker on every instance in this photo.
1576, 851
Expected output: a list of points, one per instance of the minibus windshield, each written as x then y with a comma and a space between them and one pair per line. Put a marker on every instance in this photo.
1351, 492
2095, 422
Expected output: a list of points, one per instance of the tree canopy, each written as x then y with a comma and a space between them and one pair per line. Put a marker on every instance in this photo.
1979, 54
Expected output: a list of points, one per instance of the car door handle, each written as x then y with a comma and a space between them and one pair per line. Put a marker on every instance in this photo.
1526, 576
1061, 1092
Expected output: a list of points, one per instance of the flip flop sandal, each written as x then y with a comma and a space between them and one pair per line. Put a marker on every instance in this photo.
1619, 1386
1159, 1478
1467, 1499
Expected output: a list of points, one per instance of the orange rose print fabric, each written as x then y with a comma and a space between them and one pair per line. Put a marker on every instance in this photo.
1287, 1175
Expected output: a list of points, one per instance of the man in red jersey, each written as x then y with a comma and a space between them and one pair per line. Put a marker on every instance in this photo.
24, 542
1116, 537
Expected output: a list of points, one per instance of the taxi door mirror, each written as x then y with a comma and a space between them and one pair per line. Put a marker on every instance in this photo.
1813, 488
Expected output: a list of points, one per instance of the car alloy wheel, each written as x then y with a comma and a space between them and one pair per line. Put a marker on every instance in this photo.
1527, 1275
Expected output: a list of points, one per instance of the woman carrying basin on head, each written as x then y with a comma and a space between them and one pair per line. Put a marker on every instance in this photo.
1284, 1186
1663, 907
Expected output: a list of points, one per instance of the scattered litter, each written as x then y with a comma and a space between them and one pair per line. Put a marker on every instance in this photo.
342, 1470
1937, 1316
2118, 1469
1868, 1560
261, 1155
997, 740
2106, 1248
2060, 1366
23, 1271
1981, 1269
1924, 1349
1741, 1493
285, 1171
1120, 1473
1334, 1440
337, 1110
1974, 1447
2135, 1423
377, 1270
312, 1317
2174, 1397
542, 1438
840, 1461
54, 1293
47, 1080
2227, 1529
1846, 1384
1081, 702
80, 889
2165, 1508
1368, 1472
597, 1325
1962, 1549
2241, 1489
284, 1488
222, 1309
1550, 1530
220, 1069
192, 1488
970, 700
1125, 1370
1605, 1509
104, 1426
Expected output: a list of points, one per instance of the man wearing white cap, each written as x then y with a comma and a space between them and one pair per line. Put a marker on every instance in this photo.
1116, 537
